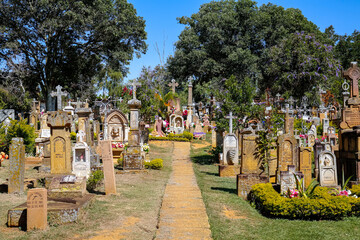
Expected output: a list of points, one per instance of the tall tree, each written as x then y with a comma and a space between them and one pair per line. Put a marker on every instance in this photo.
65, 42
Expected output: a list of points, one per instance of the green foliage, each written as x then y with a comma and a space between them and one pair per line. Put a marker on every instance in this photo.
73, 136
319, 130
68, 42
176, 139
215, 152
18, 129
95, 136
264, 143
14, 99
94, 180
300, 186
322, 206
186, 135
154, 164
299, 123
120, 161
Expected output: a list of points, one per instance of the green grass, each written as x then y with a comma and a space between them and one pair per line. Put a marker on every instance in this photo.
220, 193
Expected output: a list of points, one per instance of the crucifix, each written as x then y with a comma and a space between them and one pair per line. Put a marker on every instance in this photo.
230, 121
173, 84
134, 85
58, 94
353, 74
291, 101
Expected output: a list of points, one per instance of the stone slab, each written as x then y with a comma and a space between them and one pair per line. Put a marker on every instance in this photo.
229, 170
109, 173
36, 209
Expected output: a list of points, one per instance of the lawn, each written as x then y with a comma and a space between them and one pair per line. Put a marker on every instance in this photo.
131, 214
233, 218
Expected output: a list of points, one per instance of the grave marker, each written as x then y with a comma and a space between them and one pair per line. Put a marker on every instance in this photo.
36, 209
109, 174
17, 166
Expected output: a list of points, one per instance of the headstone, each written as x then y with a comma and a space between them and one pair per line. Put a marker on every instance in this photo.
231, 150
81, 157
58, 94
326, 125
6, 115
305, 164
173, 85
84, 123
311, 138
331, 135
17, 166
60, 143
36, 213
109, 174
117, 126
328, 171
287, 178
176, 124
249, 160
45, 133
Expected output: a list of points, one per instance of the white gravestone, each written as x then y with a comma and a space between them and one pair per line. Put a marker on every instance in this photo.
81, 157
328, 171
231, 150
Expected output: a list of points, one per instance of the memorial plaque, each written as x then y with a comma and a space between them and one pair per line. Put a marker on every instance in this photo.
45, 133
58, 154
287, 155
36, 209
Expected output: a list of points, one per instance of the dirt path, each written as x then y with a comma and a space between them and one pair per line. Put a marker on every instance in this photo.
183, 214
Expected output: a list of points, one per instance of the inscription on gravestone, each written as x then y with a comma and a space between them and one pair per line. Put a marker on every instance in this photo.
17, 166
37, 208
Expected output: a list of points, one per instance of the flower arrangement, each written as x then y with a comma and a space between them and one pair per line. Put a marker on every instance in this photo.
117, 145
145, 147
3, 156
185, 113
292, 193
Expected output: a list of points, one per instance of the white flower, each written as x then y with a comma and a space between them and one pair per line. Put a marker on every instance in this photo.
349, 192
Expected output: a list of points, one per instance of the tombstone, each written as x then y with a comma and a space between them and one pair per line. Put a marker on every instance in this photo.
69, 108
34, 116
158, 128
325, 124
58, 94
60, 143
311, 138
81, 157
17, 166
213, 135
230, 150
328, 170
117, 126
176, 124
305, 164
6, 115
108, 167
287, 178
249, 159
84, 123
36, 206
43, 122
331, 136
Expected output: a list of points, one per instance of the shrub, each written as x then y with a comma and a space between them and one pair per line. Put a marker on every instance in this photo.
120, 161
73, 136
154, 164
95, 136
322, 205
94, 180
188, 135
17, 129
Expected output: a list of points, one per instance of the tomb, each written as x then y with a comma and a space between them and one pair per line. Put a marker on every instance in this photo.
81, 157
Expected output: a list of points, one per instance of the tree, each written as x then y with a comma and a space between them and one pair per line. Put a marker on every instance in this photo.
230, 37
347, 49
47, 43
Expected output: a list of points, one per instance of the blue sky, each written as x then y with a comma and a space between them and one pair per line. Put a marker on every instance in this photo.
162, 27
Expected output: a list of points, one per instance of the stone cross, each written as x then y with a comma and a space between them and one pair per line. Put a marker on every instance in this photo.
353, 74
173, 84
81, 135
230, 121
34, 105
291, 101
58, 94
134, 85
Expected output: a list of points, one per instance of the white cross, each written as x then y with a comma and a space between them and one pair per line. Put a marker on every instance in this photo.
58, 94
81, 134
134, 85
173, 84
230, 121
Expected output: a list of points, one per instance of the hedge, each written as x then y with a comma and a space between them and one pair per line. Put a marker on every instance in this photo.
169, 139
322, 206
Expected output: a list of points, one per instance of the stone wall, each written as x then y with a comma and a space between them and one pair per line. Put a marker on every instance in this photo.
244, 182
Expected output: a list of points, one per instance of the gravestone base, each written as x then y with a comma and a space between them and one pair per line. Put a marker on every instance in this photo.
133, 158
244, 182
45, 165
58, 211
33, 161
229, 170
61, 190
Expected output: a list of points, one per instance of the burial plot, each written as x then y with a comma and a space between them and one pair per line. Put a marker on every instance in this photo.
36, 209
17, 166
60, 143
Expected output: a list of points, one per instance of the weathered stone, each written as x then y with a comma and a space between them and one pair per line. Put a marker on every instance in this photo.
37, 209
287, 178
328, 171
244, 182
67, 186
81, 160
109, 174
231, 150
229, 170
250, 162
305, 164
17, 166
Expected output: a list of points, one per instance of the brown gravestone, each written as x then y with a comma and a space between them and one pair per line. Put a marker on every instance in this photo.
250, 163
17, 166
305, 164
37, 209
60, 143
109, 174
353, 74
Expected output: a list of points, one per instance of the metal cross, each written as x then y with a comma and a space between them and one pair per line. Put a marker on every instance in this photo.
230, 121
291, 101
134, 85
173, 84
58, 94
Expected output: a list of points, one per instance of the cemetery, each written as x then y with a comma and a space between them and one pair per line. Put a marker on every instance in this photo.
249, 130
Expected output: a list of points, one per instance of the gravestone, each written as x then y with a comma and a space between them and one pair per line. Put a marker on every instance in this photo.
249, 160
117, 126
331, 135
59, 94
84, 123
108, 167
230, 150
36, 213
176, 124
305, 164
287, 178
60, 143
81, 157
326, 124
67, 186
158, 128
6, 115
17, 166
327, 171
311, 138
